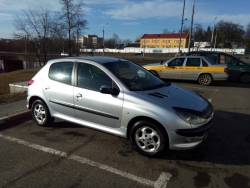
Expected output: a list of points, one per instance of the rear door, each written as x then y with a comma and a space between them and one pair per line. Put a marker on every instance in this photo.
192, 68
58, 89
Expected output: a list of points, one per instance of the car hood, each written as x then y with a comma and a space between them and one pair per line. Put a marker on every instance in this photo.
173, 96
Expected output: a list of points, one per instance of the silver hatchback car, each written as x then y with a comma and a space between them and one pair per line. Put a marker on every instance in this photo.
119, 97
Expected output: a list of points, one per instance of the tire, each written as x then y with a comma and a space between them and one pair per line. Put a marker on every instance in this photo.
148, 138
154, 73
41, 114
205, 79
245, 78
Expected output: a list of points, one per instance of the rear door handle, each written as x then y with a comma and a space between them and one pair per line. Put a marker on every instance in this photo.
47, 87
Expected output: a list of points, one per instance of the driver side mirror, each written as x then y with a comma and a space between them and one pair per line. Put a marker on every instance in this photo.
109, 90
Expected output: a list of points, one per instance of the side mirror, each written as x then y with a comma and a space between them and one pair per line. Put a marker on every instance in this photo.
108, 90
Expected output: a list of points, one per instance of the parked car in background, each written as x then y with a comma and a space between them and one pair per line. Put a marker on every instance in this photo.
237, 69
121, 98
190, 68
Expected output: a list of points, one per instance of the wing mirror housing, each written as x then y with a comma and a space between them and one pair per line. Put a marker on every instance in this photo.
109, 90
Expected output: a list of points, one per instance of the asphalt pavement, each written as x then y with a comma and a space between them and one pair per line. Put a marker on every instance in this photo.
13, 111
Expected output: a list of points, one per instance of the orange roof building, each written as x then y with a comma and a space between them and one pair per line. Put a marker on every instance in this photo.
166, 40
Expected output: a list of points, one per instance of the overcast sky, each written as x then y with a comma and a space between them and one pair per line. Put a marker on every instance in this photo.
130, 19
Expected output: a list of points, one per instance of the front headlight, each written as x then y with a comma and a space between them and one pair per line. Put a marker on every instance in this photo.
190, 118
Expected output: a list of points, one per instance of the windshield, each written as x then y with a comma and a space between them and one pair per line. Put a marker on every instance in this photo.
134, 76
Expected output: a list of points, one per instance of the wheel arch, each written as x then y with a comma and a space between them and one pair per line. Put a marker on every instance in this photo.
138, 118
34, 98
205, 73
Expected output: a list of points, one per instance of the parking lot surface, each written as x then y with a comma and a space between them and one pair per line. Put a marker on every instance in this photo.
67, 155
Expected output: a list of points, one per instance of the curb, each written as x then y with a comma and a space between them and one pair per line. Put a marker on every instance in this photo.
14, 117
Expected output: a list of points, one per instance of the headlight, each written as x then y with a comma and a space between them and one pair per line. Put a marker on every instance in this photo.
190, 118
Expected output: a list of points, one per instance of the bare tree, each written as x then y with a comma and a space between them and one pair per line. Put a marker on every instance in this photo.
36, 25
71, 22
229, 33
247, 36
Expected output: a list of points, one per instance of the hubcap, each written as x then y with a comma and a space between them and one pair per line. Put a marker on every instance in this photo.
245, 78
147, 139
205, 79
40, 113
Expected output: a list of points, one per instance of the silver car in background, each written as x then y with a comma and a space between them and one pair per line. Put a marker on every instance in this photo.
119, 97
196, 68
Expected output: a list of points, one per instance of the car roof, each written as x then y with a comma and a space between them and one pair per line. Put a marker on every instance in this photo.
208, 52
98, 59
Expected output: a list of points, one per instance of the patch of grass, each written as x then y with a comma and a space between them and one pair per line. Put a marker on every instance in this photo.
14, 77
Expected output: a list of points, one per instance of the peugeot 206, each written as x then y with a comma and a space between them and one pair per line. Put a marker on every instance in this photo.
122, 98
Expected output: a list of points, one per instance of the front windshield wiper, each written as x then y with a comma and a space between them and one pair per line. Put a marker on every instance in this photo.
136, 88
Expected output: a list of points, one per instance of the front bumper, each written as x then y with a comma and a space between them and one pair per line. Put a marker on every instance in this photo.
184, 139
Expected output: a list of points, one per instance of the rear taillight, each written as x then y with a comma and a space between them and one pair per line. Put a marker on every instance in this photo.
30, 82
225, 70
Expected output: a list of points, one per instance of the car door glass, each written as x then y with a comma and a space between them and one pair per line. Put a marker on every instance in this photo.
92, 77
193, 62
61, 72
176, 62
204, 63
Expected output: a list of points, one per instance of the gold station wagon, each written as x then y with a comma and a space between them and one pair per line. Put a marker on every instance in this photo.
190, 68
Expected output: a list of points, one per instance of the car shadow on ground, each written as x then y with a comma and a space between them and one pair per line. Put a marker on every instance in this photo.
228, 142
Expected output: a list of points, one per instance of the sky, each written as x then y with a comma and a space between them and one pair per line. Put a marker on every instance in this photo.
130, 19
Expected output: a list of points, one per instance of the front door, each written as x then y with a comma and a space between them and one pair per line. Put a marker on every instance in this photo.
173, 69
93, 106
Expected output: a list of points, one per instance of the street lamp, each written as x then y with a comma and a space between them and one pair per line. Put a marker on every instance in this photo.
103, 39
213, 34
182, 21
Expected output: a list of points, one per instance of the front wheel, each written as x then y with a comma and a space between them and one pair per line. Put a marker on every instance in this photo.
41, 114
148, 138
245, 78
205, 79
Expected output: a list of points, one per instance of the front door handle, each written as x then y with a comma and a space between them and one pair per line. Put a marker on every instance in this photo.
47, 87
78, 95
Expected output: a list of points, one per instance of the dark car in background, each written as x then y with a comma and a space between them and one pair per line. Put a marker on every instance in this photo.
237, 69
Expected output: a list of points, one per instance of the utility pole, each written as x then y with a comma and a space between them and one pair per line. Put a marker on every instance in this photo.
212, 39
103, 39
191, 28
182, 23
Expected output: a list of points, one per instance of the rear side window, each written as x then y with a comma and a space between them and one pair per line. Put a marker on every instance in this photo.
193, 62
61, 72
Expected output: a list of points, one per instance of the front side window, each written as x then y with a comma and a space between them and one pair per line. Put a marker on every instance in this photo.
92, 77
176, 62
61, 72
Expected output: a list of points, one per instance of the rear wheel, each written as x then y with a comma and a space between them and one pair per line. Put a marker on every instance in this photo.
148, 138
41, 114
245, 78
205, 79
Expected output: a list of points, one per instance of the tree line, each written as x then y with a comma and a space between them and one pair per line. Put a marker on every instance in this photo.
226, 34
